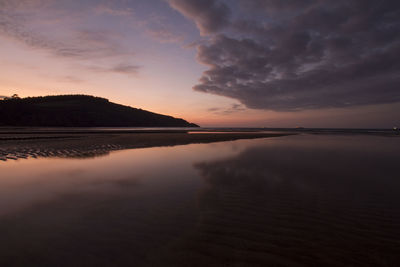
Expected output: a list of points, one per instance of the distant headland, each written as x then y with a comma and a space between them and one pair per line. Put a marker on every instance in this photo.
79, 111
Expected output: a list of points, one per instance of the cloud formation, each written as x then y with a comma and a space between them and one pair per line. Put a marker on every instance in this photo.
234, 108
81, 44
209, 15
113, 11
126, 69
300, 54
42, 25
121, 68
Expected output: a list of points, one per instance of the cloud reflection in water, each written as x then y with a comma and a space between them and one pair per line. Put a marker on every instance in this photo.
310, 200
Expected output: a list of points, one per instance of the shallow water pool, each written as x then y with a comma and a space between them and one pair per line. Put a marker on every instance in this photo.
293, 200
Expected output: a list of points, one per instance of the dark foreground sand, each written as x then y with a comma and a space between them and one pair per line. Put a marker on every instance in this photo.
16, 145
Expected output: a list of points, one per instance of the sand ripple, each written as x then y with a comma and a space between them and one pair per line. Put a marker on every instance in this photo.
35, 152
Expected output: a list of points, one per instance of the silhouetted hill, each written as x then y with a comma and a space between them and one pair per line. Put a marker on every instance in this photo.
80, 111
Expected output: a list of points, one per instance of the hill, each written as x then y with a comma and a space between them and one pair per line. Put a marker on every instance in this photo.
79, 111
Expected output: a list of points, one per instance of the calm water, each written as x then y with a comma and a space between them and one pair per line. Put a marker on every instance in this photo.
290, 201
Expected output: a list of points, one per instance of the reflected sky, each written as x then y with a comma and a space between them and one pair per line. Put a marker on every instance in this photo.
294, 200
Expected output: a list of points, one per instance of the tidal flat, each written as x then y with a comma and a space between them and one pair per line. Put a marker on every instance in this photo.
25, 143
117, 200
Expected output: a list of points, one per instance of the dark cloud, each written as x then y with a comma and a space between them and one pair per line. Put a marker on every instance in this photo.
209, 15
307, 54
275, 5
122, 68
126, 69
234, 108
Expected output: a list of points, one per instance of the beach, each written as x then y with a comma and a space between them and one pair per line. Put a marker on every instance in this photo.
23, 143
298, 200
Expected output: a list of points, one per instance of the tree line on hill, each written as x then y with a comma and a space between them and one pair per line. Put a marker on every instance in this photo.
79, 111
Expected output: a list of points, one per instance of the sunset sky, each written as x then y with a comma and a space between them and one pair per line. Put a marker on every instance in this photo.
252, 63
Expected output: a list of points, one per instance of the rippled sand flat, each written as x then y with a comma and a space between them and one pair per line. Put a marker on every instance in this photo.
23, 145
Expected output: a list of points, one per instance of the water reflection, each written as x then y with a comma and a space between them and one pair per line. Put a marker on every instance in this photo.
123, 209
300, 201
295, 200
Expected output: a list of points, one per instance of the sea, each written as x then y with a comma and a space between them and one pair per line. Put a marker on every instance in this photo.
317, 198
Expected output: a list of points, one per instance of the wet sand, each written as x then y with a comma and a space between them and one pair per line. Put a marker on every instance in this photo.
16, 145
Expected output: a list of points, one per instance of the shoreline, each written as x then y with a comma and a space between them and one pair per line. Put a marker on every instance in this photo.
82, 145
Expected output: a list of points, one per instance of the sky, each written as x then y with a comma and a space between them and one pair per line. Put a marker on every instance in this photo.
232, 63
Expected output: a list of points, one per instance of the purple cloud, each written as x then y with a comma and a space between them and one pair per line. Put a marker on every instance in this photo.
300, 55
209, 15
